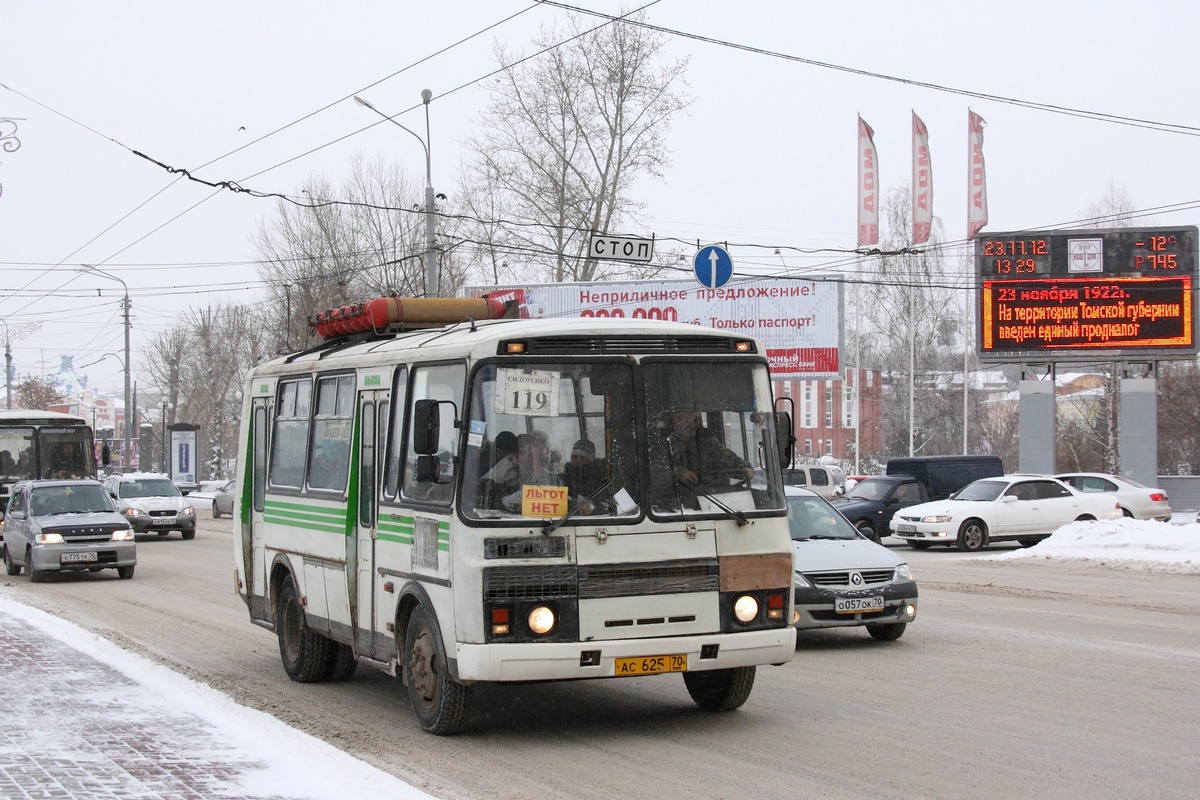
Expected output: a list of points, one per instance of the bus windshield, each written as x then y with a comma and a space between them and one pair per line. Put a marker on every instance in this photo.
28, 452
596, 440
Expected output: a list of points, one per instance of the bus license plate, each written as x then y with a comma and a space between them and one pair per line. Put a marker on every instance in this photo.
651, 665
857, 605
69, 558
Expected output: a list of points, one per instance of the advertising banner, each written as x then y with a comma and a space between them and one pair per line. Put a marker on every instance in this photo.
922, 182
799, 322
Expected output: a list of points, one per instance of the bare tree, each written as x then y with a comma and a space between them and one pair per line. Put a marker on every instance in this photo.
347, 244
36, 394
908, 311
563, 140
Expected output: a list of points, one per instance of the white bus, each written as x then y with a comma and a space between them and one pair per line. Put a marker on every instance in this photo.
380, 516
43, 444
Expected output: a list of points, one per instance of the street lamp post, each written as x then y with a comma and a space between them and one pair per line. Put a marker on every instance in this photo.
432, 289
20, 331
125, 458
165, 406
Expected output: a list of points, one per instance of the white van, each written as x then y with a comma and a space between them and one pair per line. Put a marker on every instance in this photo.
829, 482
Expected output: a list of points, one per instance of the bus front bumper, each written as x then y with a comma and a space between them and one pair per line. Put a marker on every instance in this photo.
549, 661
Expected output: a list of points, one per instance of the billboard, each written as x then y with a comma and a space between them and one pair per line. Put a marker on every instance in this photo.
1109, 294
799, 322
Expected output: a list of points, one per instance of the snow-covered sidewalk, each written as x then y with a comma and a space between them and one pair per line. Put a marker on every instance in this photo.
81, 718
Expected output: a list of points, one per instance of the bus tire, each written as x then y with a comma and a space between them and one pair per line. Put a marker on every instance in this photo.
305, 654
341, 665
439, 701
720, 689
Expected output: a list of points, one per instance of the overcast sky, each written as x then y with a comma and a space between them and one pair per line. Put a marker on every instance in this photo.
259, 93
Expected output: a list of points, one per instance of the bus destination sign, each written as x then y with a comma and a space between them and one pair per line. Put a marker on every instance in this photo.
1112, 293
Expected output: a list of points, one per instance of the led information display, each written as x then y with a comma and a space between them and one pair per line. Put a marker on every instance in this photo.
1113, 292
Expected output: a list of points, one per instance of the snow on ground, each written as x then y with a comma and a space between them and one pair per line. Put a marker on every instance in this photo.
1126, 544
292, 763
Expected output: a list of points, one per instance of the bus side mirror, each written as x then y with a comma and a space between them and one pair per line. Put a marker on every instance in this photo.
785, 439
427, 427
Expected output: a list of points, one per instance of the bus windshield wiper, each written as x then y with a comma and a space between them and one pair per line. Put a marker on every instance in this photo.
551, 527
738, 516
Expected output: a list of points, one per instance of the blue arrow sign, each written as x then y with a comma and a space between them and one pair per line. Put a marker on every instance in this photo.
713, 266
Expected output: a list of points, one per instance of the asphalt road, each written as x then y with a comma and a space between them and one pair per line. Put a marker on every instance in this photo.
1017, 680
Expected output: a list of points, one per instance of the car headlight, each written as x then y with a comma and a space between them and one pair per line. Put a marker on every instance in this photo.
48, 538
187, 511
801, 582
130, 512
123, 535
937, 518
903, 572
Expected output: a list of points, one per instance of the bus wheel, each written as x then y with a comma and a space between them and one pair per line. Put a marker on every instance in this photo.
305, 654
439, 701
720, 689
341, 665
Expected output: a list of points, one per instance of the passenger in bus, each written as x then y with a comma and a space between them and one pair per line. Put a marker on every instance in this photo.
584, 477
696, 457
7, 464
501, 485
329, 467
65, 462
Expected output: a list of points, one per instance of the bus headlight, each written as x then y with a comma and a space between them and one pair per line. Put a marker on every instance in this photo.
541, 620
745, 608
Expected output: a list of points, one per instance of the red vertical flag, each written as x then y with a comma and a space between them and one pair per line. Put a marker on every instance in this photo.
977, 210
922, 182
868, 186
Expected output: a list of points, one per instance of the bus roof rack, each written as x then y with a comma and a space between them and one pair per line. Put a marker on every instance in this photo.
398, 314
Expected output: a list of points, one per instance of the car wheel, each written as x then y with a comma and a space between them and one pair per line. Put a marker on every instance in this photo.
887, 633
304, 653
972, 536
188, 534
10, 566
1027, 542
867, 530
439, 701
216, 511
720, 689
35, 575
1127, 513
919, 545
125, 573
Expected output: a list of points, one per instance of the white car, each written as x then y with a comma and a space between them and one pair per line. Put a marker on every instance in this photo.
1025, 508
843, 578
1136, 500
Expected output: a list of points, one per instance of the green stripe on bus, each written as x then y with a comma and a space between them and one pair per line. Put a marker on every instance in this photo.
303, 525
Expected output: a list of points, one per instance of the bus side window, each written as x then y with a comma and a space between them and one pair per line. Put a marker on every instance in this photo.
395, 435
290, 436
445, 383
